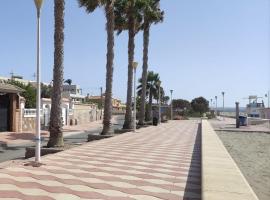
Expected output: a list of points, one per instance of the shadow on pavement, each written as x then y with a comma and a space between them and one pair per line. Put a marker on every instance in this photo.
193, 187
23, 136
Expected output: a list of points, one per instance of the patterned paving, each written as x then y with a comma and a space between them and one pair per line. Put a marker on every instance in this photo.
155, 163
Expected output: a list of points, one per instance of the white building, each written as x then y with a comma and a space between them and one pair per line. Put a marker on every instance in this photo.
73, 92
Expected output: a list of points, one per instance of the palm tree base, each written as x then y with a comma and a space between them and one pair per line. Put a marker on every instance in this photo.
55, 142
128, 126
92, 137
107, 131
30, 151
141, 123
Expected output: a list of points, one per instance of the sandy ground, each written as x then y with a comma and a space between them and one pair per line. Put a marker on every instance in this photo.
251, 152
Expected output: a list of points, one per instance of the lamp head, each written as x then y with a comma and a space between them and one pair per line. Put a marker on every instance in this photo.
38, 4
135, 65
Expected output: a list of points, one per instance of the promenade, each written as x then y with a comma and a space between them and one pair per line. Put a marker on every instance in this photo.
155, 163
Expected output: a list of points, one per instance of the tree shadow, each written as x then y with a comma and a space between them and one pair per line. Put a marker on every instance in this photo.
24, 136
5, 148
193, 185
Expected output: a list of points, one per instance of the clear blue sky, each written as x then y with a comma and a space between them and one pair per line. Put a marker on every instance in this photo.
202, 48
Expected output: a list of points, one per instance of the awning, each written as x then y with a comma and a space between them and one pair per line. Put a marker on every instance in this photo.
8, 88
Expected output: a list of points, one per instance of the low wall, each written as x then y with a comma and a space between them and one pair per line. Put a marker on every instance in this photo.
84, 114
81, 114
28, 124
221, 177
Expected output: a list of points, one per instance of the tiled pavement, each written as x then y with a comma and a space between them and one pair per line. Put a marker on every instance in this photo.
156, 163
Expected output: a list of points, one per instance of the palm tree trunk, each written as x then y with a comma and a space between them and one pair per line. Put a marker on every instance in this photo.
146, 33
56, 133
131, 47
109, 67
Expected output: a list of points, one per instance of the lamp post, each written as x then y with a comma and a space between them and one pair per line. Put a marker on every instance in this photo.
267, 95
171, 105
223, 93
38, 4
134, 64
211, 106
159, 103
216, 105
101, 102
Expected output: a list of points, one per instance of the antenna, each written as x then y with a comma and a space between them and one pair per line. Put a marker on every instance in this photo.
11, 73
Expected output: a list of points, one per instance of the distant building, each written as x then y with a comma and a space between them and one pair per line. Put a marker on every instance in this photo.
117, 105
74, 93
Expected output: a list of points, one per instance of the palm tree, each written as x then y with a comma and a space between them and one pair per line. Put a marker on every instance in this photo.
151, 91
55, 128
90, 6
68, 81
128, 17
152, 15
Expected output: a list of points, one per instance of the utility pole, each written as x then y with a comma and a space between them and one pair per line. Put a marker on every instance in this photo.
223, 93
216, 106
12, 74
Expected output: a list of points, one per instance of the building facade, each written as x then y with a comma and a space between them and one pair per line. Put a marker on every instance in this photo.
74, 93
117, 105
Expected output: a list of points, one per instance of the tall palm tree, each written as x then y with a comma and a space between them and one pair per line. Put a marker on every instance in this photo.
152, 89
152, 15
90, 6
128, 17
55, 128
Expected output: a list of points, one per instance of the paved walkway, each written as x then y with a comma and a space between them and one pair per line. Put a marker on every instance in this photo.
155, 163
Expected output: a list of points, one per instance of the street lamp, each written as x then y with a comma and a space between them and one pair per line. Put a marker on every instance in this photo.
159, 102
223, 93
38, 4
134, 65
171, 105
101, 101
268, 96
216, 105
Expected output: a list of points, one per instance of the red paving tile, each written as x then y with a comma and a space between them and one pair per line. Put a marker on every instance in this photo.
156, 163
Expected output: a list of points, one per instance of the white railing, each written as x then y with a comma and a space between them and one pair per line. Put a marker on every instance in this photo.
30, 112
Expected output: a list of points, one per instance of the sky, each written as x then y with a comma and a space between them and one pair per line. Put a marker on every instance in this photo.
202, 48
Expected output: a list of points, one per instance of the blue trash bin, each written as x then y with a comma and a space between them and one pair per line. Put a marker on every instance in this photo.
243, 120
